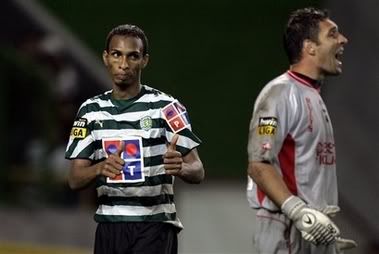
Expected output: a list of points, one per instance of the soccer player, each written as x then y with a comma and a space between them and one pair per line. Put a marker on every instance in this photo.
292, 162
132, 141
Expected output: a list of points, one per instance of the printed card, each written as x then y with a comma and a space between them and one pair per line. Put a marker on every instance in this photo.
132, 154
176, 116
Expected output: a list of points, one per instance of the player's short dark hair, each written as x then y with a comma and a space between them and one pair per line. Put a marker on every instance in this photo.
302, 24
128, 30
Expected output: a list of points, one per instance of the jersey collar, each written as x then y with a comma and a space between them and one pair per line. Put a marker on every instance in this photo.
305, 80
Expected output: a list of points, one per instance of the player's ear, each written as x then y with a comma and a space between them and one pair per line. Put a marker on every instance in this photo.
105, 58
145, 60
309, 47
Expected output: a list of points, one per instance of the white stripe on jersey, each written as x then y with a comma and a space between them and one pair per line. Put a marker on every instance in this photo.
82, 144
130, 116
102, 103
142, 191
119, 133
154, 150
161, 96
154, 170
182, 141
124, 210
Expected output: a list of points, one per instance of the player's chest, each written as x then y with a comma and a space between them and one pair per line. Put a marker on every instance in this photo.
315, 119
145, 124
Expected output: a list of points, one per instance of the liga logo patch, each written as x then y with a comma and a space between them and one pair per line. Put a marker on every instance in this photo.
176, 116
79, 128
267, 125
132, 154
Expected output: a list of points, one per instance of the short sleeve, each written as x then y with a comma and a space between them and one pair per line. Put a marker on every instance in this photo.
269, 124
81, 142
176, 121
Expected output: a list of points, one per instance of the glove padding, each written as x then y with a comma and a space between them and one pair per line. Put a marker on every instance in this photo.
341, 243
314, 226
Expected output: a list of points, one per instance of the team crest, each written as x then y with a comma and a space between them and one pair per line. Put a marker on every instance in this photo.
146, 123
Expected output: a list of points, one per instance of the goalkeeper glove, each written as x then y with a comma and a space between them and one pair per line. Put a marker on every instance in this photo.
314, 226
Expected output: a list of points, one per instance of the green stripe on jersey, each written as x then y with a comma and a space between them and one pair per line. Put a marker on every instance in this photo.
149, 181
97, 144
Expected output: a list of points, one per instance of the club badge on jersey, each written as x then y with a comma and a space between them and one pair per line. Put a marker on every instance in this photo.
79, 128
176, 116
132, 154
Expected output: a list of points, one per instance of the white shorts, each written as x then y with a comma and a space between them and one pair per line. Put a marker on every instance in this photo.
276, 234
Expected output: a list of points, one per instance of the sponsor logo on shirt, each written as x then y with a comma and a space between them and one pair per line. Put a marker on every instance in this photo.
79, 129
267, 125
325, 153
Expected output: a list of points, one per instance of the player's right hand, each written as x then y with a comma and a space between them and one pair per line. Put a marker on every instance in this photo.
113, 164
314, 226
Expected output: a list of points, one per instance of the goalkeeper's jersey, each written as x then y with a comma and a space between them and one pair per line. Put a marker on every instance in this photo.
291, 129
143, 192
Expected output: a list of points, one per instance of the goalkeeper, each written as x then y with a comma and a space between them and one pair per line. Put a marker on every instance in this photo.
292, 165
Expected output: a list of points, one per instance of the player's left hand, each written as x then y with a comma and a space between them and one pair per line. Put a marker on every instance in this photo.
341, 243
172, 159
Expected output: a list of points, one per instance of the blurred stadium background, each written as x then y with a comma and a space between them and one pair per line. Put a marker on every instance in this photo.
214, 55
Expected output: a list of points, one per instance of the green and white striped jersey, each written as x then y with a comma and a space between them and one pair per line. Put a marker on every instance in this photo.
149, 196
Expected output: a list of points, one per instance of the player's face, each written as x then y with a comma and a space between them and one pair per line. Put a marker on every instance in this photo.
330, 48
124, 60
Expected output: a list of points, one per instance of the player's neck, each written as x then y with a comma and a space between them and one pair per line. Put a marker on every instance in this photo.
307, 69
126, 92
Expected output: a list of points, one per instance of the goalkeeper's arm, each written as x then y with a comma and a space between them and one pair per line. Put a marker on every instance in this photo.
313, 225
269, 181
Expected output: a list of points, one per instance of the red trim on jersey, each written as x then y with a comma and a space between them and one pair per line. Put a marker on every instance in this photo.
301, 80
261, 195
287, 163
271, 218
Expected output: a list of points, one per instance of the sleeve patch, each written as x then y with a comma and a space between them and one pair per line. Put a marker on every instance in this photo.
176, 117
267, 126
79, 128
